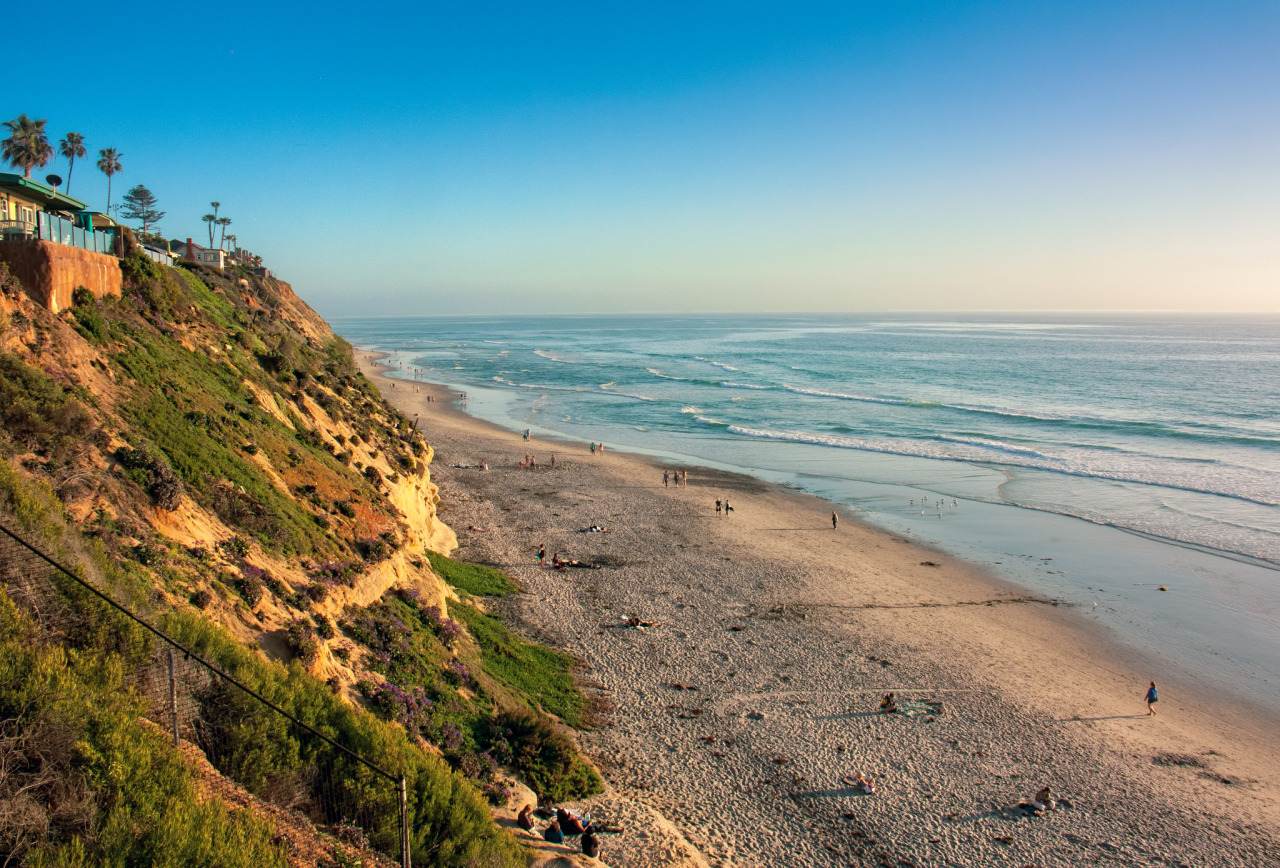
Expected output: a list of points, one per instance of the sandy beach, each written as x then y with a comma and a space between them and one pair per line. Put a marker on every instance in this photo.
731, 728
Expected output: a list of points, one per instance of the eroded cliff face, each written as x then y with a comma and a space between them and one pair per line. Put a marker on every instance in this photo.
224, 434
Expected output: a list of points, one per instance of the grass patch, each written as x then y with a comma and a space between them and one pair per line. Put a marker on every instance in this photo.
535, 672
472, 578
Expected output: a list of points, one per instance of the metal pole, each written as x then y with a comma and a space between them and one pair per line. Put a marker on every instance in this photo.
173, 696
406, 860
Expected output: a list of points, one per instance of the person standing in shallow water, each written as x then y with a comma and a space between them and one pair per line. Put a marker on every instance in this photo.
1152, 698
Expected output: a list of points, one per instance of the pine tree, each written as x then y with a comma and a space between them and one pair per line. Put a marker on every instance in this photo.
140, 204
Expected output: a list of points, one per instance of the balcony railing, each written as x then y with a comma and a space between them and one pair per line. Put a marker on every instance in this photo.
16, 230
60, 230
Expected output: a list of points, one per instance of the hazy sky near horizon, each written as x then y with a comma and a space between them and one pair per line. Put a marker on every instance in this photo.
538, 158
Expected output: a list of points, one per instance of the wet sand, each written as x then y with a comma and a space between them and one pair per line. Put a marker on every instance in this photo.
730, 728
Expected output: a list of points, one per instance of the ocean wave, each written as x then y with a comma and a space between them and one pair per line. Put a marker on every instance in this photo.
1199, 432
538, 386
844, 396
999, 446
608, 388
717, 364
754, 386
691, 410
551, 357
923, 449
655, 372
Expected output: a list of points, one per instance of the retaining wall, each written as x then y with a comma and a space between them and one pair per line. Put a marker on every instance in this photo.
50, 272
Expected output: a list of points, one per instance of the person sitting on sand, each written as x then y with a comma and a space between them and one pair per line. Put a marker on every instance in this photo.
590, 844
553, 834
570, 823
861, 783
887, 705
1044, 800
525, 818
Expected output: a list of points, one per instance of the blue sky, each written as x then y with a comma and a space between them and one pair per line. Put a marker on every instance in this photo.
511, 158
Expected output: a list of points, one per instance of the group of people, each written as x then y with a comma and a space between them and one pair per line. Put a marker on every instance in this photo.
728, 508
565, 825
597, 448
681, 477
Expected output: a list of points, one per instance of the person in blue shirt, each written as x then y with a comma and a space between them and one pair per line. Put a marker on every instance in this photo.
553, 834
1152, 698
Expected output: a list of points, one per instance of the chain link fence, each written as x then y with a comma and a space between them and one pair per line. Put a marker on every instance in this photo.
250, 740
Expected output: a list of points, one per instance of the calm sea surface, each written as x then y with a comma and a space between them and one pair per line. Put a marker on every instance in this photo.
1162, 428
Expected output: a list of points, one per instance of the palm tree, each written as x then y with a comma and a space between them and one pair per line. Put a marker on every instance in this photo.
71, 147
109, 163
224, 222
210, 219
27, 147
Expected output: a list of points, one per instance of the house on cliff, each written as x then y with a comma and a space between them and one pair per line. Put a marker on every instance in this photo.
195, 253
53, 243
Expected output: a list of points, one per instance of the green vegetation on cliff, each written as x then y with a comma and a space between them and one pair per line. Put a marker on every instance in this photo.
84, 784
206, 438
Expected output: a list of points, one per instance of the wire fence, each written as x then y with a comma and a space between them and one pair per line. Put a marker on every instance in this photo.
269, 752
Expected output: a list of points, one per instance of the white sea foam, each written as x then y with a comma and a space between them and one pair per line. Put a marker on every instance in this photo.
1264, 490
609, 388
552, 357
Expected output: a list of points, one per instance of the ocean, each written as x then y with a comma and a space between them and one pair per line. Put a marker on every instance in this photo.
1093, 458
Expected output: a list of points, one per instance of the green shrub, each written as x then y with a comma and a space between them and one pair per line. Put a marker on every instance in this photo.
151, 471
37, 413
450, 821
111, 791
548, 761
302, 642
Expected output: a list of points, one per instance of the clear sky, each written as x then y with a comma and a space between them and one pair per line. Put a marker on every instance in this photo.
549, 157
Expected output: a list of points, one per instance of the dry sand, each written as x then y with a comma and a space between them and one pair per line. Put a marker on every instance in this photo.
732, 725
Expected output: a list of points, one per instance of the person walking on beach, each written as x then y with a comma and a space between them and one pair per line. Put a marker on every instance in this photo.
1152, 698
717, 506
727, 508
684, 477
666, 478
542, 554
593, 448
834, 519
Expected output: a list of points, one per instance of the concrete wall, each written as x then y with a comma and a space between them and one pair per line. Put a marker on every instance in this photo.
50, 272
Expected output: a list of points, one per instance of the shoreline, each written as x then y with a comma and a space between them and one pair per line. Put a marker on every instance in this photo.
841, 612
